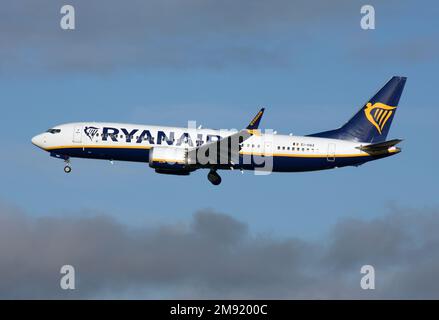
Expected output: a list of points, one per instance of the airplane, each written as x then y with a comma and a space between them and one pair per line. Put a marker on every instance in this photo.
180, 151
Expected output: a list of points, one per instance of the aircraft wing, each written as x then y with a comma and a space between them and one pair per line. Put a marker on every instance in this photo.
225, 151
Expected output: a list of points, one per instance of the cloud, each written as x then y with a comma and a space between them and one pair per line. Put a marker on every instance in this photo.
172, 34
409, 50
216, 256
199, 34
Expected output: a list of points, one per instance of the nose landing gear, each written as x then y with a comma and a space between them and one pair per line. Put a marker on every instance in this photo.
214, 177
67, 168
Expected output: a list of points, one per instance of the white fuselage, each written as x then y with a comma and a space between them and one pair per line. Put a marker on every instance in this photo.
131, 142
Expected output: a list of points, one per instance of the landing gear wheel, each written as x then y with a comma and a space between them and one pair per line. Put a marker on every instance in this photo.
214, 177
67, 169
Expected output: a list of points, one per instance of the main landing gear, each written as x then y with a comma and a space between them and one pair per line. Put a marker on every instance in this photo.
214, 177
67, 168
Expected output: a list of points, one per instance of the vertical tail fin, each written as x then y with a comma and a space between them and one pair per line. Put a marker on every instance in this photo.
372, 122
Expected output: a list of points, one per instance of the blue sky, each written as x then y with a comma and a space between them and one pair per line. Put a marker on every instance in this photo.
311, 74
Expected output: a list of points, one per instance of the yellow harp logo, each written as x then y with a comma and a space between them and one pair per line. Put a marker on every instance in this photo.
378, 114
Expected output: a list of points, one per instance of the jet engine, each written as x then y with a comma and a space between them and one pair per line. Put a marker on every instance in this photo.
170, 160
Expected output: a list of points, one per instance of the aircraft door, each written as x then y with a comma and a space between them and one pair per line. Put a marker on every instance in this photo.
331, 152
77, 135
268, 151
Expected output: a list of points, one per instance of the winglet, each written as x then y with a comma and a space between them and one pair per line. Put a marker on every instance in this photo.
254, 124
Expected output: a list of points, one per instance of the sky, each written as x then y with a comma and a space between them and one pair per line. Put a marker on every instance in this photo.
136, 234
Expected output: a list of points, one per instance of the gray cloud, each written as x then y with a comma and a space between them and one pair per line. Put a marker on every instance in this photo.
186, 34
111, 35
409, 50
216, 256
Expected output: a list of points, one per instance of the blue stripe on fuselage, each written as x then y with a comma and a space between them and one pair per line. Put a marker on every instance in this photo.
280, 163
119, 154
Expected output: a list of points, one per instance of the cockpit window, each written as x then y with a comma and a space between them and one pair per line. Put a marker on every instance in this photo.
53, 131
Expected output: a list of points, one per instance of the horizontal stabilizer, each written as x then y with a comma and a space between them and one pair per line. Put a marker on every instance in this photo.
382, 146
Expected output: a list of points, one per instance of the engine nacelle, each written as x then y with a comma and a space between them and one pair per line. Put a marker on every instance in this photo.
170, 160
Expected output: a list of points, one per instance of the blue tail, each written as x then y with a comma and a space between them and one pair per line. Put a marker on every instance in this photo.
372, 122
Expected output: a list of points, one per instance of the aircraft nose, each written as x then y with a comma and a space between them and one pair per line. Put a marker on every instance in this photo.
38, 140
